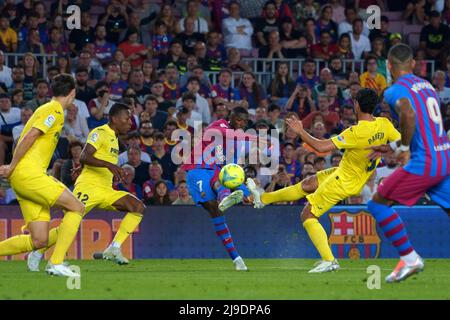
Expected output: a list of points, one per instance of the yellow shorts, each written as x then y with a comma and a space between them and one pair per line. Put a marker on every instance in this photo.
36, 193
330, 191
98, 197
324, 174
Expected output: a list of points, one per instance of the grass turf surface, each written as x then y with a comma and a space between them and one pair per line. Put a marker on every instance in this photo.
212, 279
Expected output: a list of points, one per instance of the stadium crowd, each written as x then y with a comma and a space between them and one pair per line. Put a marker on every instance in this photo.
180, 63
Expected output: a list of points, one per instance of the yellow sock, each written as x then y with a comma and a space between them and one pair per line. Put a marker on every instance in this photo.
52, 236
15, 245
291, 193
127, 226
67, 231
319, 238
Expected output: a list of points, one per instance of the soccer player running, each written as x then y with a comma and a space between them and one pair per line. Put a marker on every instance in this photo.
203, 172
424, 152
330, 186
94, 185
36, 191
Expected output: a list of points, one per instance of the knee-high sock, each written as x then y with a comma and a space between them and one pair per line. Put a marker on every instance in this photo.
319, 238
127, 226
52, 236
291, 193
224, 234
15, 245
222, 192
392, 226
67, 231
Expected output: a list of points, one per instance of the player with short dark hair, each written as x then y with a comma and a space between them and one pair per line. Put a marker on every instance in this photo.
94, 185
424, 152
330, 186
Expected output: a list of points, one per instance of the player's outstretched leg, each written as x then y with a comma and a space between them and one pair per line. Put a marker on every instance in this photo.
67, 232
319, 238
224, 234
130, 222
393, 228
35, 257
226, 198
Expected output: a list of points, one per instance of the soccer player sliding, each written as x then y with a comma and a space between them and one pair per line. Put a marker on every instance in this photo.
94, 187
330, 186
36, 191
203, 172
423, 139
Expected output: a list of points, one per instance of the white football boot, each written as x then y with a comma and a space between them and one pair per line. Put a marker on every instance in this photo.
257, 203
33, 260
61, 270
240, 264
403, 271
115, 255
325, 266
233, 198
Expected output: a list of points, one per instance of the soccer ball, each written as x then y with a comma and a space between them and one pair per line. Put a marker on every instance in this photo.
232, 176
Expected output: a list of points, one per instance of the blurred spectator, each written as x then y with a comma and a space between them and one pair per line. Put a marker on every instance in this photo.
280, 180
188, 102
331, 118
167, 16
136, 82
125, 68
79, 37
324, 76
31, 72
103, 49
17, 98
18, 77
441, 89
237, 31
184, 198
33, 43
160, 196
273, 49
334, 99
155, 173
382, 33
176, 57
310, 32
338, 11
395, 38
25, 115
157, 117
201, 104
308, 76
201, 25
133, 50
372, 78
345, 47
99, 107
116, 85
325, 49
5, 71
216, 54
75, 126
146, 135
305, 9
32, 23
337, 71
172, 90
133, 140
301, 101
420, 69
7, 34
10, 117
56, 44
220, 112
435, 39
93, 66
222, 92
64, 64
189, 36
251, 91
308, 168
149, 73
85, 93
41, 96
325, 23
274, 113
335, 159
281, 85
360, 43
352, 91
157, 90
128, 184
266, 24
292, 40
320, 163
115, 20
369, 189
234, 61
379, 51
71, 168
161, 39
293, 166
284, 11
347, 25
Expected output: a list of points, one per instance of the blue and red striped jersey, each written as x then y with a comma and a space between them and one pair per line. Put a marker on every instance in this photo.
430, 146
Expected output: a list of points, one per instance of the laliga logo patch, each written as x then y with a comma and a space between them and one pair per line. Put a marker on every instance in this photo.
49, 121
94, 137
341, 139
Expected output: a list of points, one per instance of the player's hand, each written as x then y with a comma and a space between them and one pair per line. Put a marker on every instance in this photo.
5, 171
403, 158
118, 172
295, 125
378, 151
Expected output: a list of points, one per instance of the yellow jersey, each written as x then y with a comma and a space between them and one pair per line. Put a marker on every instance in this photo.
106, 143
48, 118
355, 167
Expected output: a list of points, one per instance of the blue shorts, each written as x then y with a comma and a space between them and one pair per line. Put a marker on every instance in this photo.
199, 185
441, 193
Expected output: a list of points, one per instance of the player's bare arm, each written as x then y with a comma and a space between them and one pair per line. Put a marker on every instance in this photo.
22, 147
87, 157
318, 145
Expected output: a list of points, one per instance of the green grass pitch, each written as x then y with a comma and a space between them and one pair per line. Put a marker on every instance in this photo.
211, 279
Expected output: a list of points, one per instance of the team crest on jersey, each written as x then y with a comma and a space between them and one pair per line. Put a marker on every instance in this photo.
94, 137
49, 121
354, 236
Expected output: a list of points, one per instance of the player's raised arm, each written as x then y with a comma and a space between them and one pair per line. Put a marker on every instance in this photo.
318, 145
87, 158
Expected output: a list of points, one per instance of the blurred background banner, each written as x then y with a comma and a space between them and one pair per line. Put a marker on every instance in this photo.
273, 232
